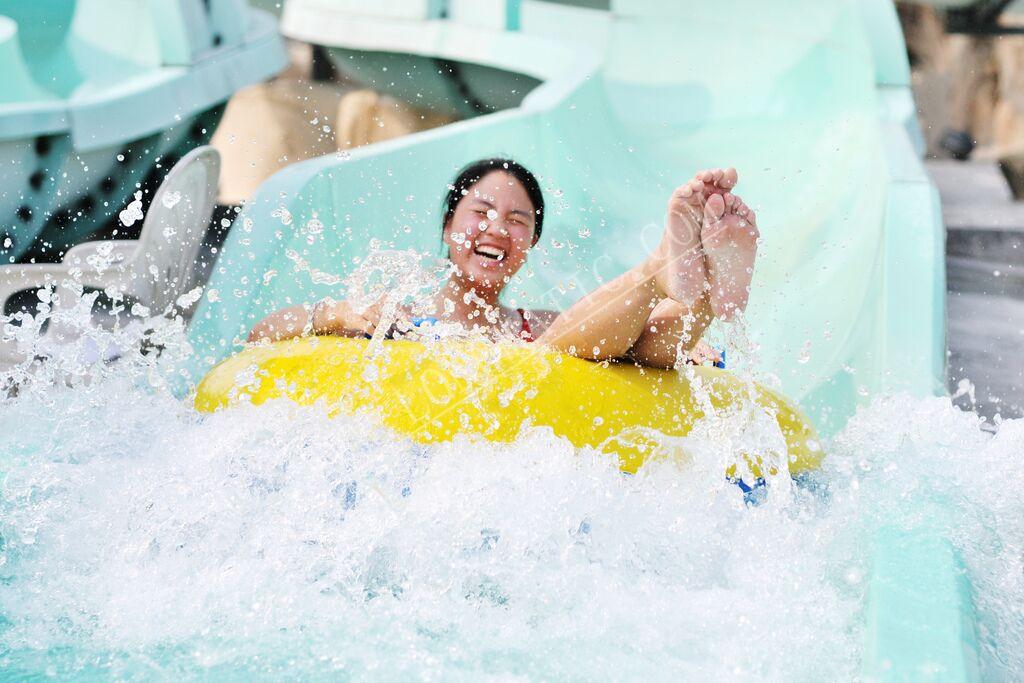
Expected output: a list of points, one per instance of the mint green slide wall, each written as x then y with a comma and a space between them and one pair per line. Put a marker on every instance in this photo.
810, 101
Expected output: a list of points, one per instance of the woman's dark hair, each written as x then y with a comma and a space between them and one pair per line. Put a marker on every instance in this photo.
472, 173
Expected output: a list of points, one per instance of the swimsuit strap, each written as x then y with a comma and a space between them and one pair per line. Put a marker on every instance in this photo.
526, 333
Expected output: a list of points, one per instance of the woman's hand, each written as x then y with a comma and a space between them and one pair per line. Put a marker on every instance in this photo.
341, 319
702, 354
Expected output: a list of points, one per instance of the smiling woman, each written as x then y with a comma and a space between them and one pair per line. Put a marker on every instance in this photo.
493, 216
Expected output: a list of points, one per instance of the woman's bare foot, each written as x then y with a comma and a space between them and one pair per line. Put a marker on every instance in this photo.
729, 237
679, 259
718, 180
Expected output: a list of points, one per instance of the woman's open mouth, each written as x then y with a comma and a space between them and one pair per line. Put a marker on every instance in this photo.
489, 252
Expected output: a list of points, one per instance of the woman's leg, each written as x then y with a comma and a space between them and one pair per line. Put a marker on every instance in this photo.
672, 330
630, 317
619, 318
606, 323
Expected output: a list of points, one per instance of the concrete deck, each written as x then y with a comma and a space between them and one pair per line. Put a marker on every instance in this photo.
985, 280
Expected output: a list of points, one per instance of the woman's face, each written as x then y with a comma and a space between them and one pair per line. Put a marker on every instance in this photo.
491, 231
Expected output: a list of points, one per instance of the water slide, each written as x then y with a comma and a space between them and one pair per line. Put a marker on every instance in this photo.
810, 100
98, 96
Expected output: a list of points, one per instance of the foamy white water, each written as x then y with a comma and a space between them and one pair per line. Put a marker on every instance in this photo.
140, 539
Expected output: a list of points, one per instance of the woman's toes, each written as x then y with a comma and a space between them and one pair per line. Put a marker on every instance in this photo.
745, 212
729, 178
714, 208
687, 198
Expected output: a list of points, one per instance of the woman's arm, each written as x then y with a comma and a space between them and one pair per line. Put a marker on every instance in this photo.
327, 317
283, 324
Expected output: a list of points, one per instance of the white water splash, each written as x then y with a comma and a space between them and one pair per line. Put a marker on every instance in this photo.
133, 212
140, 539
277, 540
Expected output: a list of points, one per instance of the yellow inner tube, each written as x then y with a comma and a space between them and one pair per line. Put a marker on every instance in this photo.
431, 393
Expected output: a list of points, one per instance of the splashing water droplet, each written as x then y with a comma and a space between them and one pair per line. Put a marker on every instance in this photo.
854, 575
170, 199
283, 214
133, 212
190, 297
805, 353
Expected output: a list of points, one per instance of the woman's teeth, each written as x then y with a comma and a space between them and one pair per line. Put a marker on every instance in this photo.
490, 252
